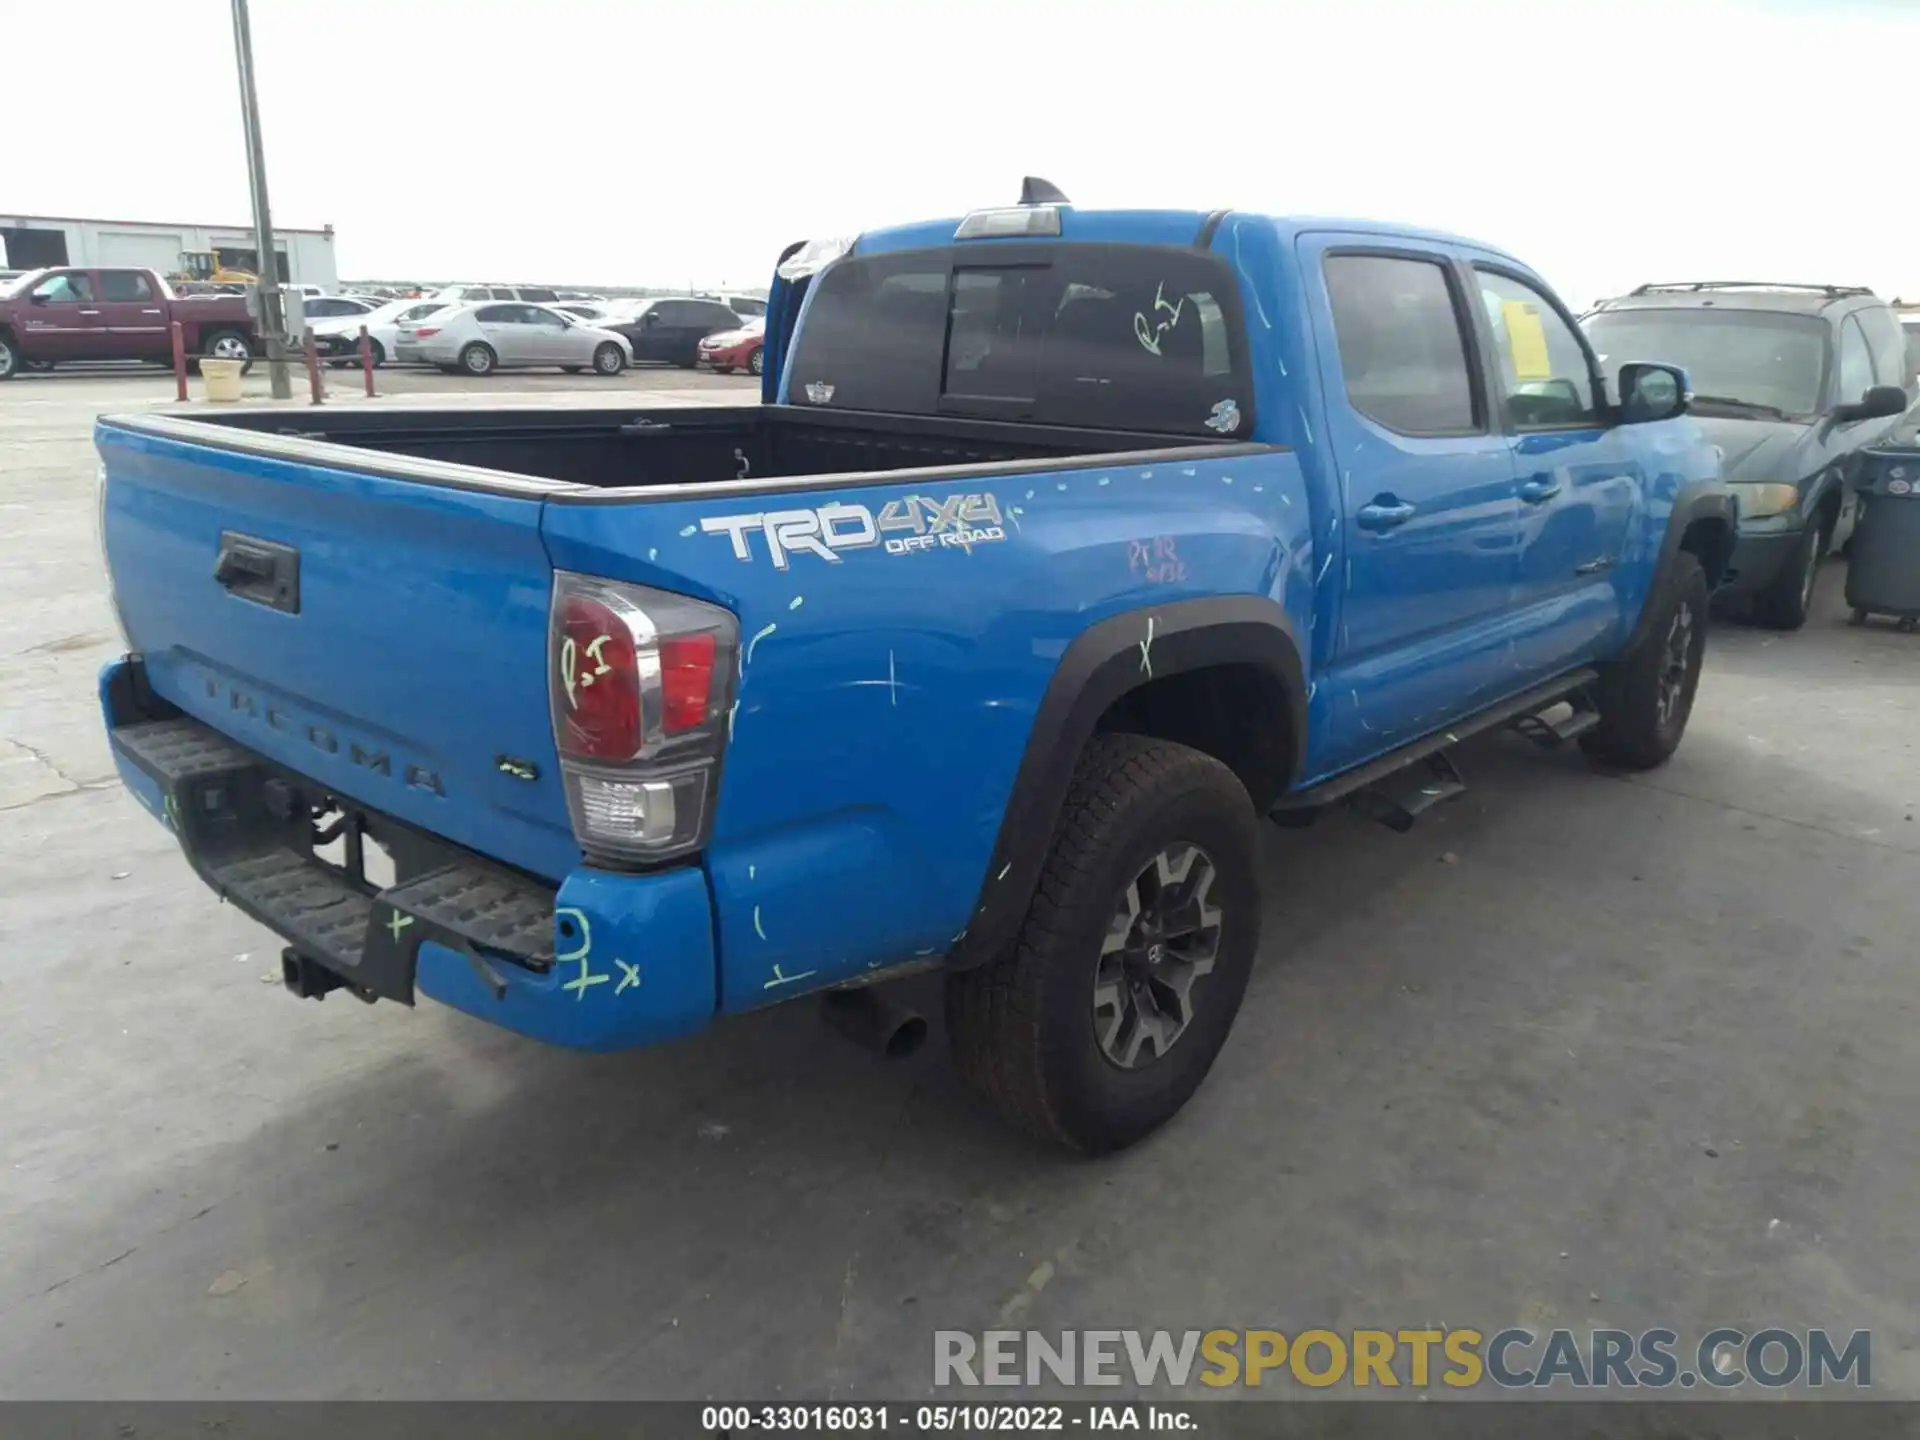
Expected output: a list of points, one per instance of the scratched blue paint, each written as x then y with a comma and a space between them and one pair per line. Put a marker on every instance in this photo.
879, 728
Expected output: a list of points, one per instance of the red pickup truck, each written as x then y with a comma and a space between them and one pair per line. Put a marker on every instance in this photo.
48, 317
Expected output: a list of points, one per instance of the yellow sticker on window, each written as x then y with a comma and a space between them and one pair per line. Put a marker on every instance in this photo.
1526, 340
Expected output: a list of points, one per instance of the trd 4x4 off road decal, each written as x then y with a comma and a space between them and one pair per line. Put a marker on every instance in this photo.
919, 522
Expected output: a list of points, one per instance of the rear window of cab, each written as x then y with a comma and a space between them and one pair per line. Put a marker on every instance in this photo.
1115, 337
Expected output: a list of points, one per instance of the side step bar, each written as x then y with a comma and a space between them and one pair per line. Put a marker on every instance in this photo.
1383, 790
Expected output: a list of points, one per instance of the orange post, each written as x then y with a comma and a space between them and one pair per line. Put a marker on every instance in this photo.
179, 360
366, 359
313, 369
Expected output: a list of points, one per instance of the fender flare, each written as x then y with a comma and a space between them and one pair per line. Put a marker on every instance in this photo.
1705, 500
1101, 664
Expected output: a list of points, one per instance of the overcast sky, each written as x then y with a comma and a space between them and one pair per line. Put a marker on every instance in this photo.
647, 142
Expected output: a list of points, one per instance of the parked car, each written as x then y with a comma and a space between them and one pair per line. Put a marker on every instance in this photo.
1793, 382
585, 310
1109, 543
747, 307
732, 350
501, 335
50, 317
1910, 327
339, 339
668, 329
337, 307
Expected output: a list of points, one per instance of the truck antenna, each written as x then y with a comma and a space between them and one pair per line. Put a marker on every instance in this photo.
1035, 191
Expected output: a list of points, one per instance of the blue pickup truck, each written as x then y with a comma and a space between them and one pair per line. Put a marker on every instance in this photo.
1063, 547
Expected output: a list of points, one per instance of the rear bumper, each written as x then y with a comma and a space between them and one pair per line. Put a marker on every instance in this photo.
1758, 559
604, 961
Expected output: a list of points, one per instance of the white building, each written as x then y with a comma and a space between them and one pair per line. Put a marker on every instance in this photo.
28, 242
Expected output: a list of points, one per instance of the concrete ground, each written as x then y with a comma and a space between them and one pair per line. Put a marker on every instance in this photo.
1580, 1050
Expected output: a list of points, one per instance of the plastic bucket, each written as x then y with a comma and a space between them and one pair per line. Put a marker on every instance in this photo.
222, 378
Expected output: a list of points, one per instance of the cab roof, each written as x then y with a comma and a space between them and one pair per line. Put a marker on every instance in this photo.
1160, 227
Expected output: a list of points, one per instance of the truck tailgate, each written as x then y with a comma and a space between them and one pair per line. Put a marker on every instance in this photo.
384, 637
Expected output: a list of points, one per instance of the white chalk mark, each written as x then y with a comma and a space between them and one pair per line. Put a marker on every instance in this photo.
1259, 489
1146, 474
585, 980
1306, 427
653, 554
1014, 512
752, 871
1003, 870
893, 682
778, 979
586, 933
1283, 364
1188, 470
1226, 479
685, 531
922, 954
796, 602
1325, 565
1061, 486
1349, 574
1029, 494
758, 928
732, 710
1106, 479
1312, 686
758, 636
396, 922
629, 975
1356, 698
1286, 500
1146, 650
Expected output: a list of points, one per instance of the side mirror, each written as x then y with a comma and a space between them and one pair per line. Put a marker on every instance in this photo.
36, 298
652, 317
1653, 392
1879, 402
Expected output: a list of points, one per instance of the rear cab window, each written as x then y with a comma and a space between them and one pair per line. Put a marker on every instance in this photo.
1402, 334
1102, 336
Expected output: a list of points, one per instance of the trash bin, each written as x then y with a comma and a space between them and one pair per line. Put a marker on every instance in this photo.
1883, 564
222, 378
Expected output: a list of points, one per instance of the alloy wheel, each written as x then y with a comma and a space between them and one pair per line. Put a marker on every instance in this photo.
1163, 937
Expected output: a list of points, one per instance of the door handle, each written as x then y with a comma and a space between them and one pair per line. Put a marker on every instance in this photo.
149, 312
1539, 490
89, 312
1384, 514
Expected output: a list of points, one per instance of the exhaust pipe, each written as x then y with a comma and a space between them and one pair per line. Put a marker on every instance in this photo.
873, 1022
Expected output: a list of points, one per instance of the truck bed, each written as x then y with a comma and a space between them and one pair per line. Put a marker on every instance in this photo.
666, 449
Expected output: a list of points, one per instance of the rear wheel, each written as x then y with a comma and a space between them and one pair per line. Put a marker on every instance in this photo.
755, 364
1105, 1013
229, 345
1646, 695
608, 359
1788, 601
478, 359
9, 358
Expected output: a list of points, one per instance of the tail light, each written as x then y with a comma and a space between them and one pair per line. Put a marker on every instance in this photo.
422, 332
640, 683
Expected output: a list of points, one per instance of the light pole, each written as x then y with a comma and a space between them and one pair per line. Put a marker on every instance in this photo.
272, 315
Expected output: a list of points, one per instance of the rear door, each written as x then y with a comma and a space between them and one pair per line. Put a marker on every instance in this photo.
404, 665
1430, 520
505, 328
1580, 476
132, 315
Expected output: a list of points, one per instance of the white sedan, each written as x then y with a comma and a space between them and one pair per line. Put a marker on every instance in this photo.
338, 338
501, 334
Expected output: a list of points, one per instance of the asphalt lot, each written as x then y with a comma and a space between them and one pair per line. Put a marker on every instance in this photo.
1579, 1051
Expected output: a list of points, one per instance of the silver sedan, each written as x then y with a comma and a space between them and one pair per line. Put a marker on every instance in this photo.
502, 334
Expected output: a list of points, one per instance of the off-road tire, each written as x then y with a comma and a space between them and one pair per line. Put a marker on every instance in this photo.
478, 359
1021, 1026
1632, 732
1788, 600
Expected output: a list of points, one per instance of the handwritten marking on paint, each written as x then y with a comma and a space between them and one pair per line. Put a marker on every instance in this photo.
752, 871
1029, 494
1146, 650
893, 682
1014, 512
686, 530
778, 979
1146, 474
1003, 870
758, 636
1188, 470
1156, 560
758, 928
629, 975
1106, 479
653, 553
396, 922
1325, 565
1306, 427
745, 467
586, 980
579, 918
796, 602
1061, 486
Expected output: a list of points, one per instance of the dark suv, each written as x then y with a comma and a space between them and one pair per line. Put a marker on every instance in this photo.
1792, 382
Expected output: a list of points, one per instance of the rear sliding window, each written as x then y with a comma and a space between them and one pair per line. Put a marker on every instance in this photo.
1117, 337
